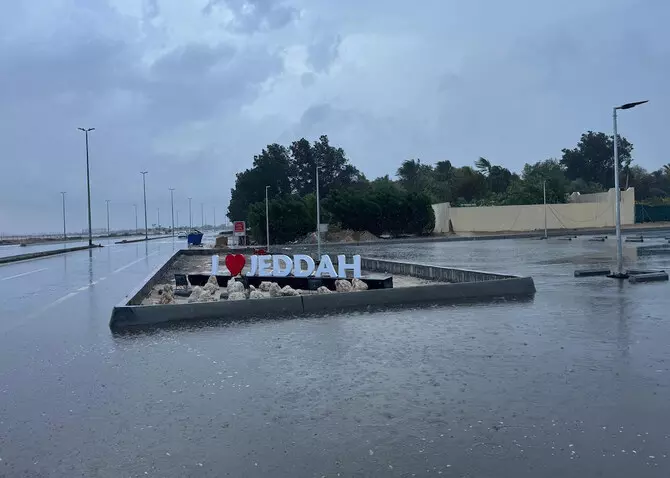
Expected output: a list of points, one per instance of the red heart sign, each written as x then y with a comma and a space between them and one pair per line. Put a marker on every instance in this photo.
235, 263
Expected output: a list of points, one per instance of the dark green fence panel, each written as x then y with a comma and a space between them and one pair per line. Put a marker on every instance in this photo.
652, 213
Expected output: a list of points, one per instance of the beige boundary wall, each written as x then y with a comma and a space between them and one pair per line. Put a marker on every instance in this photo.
591, 211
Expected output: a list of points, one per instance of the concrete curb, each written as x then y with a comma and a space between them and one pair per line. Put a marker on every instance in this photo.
37, 255
133, 241
452, 285
552, 233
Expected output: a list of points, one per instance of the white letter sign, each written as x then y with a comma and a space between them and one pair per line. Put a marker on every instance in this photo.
303, 265
281, 265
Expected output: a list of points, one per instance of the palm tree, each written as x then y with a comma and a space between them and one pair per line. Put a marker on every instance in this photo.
483, 165
666, 169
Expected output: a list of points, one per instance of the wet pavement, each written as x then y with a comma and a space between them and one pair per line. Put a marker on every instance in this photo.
572, 383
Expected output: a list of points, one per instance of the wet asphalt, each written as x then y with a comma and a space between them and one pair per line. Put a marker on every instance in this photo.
575, 382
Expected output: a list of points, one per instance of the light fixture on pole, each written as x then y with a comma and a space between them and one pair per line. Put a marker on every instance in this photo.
619, 272
172, 208
64, 230
88, 187
107, 201
190, 214
144, 189
267, 220
318, 213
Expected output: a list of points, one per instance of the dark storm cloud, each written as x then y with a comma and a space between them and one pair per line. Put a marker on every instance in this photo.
192, 90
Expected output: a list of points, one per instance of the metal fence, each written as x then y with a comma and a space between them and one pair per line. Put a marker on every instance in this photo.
644, 213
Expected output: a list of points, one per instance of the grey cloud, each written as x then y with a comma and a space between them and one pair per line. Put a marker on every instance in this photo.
322, 52
255, 15
307, 79
514, 83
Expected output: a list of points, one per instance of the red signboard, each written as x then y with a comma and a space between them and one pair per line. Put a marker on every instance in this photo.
239, 228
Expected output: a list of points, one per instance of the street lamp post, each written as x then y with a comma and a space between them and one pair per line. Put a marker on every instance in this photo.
267, 220
318, 215
619, 273
88, 187
172, 208
190, 214
64, 230
107, 201
144, 189
544, 193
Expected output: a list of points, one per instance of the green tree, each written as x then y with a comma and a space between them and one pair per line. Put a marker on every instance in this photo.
334, 167
529, 189
483, 165
468, 185
270, 168
415, 177
499, 179
592, 159
382, 207
289, 220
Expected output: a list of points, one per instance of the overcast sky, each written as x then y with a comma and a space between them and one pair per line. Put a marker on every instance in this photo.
191, 90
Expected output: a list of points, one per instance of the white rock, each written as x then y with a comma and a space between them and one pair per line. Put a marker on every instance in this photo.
237, 296
212, 280
323, 290
235, 286
289, 291
275, 290
199, 294
210, 288
166, 294
196, 294
358, 284
343, 286
256, 294
265, 286
251, 287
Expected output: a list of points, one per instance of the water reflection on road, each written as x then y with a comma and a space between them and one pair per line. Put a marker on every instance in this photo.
573, 383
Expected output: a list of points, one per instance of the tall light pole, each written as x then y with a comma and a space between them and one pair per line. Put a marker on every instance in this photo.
318, 214
544, 193
88, 187
619, 273
107, 201
172, 207
190, 214
144, 188
135, 206
64, 230
267, 220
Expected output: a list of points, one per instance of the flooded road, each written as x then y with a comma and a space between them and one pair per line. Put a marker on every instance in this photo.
572, 383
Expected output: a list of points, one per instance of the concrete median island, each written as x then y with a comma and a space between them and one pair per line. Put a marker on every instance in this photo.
172, 294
